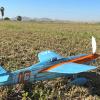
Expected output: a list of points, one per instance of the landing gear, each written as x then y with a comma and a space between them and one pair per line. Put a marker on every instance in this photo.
74, 80
79, 81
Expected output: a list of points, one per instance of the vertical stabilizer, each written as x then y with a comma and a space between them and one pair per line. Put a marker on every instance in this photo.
2, 70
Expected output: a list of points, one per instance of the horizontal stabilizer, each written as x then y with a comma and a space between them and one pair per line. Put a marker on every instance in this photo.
72, 68
4, 78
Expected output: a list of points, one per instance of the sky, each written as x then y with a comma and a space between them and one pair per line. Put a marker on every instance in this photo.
74, 10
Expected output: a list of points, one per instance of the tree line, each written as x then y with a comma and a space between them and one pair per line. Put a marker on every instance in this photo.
2, 9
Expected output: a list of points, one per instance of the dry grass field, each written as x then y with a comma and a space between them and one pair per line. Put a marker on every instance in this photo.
20, 42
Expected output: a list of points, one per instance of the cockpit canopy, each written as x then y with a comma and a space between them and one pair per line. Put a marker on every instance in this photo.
48, 56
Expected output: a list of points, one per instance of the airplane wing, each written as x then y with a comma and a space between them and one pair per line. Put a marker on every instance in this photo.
71, 68
48, 55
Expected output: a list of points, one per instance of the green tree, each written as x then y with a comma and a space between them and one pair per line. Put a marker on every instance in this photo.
2, 12
19, 18
6, 18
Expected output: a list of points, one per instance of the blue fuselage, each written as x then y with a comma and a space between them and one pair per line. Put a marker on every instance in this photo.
33, 74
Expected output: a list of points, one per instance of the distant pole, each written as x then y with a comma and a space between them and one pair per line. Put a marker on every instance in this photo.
2, 12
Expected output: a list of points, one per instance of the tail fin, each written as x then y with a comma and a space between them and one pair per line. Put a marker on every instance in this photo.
2, 70
3, 78
93, 45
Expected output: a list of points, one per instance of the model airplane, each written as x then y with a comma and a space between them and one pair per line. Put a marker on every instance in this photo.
51, 65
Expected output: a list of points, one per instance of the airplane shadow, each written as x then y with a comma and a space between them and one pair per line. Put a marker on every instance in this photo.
93, 85
94, 82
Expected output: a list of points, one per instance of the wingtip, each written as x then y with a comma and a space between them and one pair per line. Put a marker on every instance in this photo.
93, 67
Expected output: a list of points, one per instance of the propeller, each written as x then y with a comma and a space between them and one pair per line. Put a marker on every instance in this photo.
93, 45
